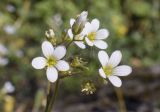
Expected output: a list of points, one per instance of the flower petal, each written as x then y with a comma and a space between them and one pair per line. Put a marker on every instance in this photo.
59, 52
90, 43
122, 70
52, 74
101, 72
62, 65
100, 44
39, 62
95, 24
103, 57
115, 58
87, 29
47, 49
70, 34
116, 81
102, 34
72, 22
80, 44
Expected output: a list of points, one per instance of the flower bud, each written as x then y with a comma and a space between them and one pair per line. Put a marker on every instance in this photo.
50, 33
79, 23
51, 36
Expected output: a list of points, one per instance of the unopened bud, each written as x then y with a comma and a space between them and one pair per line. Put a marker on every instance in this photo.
79, 23
50, 33
51, 36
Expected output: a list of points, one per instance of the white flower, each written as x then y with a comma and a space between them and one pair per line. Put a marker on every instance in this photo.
3, 61
95, 36
78, 39
52, 61
110, 69
10, 29
3, 49
8, 87
10, 8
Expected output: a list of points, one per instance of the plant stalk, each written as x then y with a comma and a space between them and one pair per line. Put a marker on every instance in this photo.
121, 101
51, 96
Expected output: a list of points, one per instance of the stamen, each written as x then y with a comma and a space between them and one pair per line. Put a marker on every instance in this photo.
108, 70
92, 36
51, 61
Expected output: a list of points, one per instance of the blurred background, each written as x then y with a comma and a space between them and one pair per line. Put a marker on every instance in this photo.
134, 27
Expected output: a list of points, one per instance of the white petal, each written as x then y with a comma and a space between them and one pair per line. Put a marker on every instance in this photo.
116, 81
95, 24
90, 43
47, 49
102, 34
59, 52
52, 74
82, 17
70, 34
87, 29
101, 72
122, 70
39, 62
62, 65
80, 44
72, 22
100, 44
115, 58
103, 57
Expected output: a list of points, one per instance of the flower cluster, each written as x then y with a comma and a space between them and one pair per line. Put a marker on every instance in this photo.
89, 34
84, 34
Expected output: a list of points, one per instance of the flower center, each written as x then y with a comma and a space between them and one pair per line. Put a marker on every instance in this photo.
92, 36
51, 61
108, 70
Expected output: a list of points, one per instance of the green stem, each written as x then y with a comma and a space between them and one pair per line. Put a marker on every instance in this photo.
48, 93
51, 97
121, 101
69, 44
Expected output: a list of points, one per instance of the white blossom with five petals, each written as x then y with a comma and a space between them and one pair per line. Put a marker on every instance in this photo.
95, 36
110, 69
52, 60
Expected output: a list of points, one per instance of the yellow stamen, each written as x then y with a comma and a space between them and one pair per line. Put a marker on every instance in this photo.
92, 36
108, 70
51, 61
